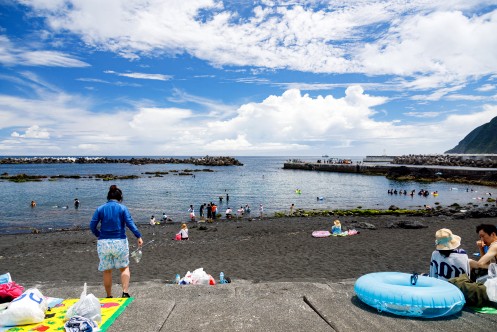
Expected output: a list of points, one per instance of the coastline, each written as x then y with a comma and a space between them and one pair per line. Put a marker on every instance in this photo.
273, 249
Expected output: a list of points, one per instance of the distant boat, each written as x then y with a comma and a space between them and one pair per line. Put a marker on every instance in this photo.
325, 156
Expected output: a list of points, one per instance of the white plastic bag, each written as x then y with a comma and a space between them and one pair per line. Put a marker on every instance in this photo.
200, 277
88, 306
29, 308
491, 282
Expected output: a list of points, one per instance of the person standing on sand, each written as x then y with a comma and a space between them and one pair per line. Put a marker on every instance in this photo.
209, 211
112, 244
261, 211
291, 209
191, 210
214, 211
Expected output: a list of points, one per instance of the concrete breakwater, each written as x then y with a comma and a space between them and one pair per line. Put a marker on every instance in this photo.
401, 172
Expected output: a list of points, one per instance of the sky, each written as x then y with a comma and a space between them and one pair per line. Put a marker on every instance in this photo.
244, 78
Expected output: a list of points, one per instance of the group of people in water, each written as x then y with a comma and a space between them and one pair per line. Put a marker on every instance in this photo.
421, 192
77, 203
451, 263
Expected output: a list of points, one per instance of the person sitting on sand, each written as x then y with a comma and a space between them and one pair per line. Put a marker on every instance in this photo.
448, 261
488, 238
184, 232
336, 228
475, 293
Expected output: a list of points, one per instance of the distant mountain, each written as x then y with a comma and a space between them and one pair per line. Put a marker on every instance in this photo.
481, 140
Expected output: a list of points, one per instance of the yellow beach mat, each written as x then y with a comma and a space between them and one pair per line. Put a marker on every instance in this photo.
54, 318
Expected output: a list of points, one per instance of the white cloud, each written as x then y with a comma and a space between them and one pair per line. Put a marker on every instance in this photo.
423, 114
144, 76
287, 123
33, 132
12, 55
440, 44
486, 87
438, 94
415, 39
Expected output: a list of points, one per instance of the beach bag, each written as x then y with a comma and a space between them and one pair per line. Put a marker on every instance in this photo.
10, 291
88, 306
29, 308
178, 237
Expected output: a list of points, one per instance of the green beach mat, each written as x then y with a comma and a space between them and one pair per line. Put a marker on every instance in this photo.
485, 310
54, 319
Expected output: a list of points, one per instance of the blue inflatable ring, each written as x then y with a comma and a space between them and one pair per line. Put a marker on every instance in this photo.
393, 292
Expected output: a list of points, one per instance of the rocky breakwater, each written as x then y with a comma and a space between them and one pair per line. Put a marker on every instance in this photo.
205, 161
445, 160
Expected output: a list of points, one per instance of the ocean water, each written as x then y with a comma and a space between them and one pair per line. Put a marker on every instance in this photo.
262, 180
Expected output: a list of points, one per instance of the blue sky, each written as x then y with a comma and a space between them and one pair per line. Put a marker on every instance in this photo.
197, 77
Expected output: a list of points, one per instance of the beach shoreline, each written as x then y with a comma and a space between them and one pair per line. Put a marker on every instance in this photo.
273, 249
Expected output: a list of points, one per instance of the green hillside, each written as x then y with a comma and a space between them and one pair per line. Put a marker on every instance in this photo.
481, 140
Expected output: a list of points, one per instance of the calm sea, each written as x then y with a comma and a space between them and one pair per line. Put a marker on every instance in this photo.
260, 180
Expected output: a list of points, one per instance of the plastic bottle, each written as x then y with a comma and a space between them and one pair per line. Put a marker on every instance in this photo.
178, 278
221, 278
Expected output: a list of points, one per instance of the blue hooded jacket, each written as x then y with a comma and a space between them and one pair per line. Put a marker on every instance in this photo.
114, 217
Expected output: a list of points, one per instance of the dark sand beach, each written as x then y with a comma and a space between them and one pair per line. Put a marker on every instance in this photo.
279, 249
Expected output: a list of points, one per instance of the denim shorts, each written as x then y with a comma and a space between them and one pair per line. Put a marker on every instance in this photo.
113, 254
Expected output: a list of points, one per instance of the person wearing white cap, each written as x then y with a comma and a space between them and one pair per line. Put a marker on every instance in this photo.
448, 260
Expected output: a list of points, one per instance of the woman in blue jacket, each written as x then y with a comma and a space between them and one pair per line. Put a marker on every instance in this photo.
112, 244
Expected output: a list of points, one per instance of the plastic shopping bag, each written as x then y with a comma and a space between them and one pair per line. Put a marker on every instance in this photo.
491, 282
29, 308
88, 306
491, 285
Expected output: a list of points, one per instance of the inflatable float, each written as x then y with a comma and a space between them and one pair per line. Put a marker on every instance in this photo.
409, 295
321, 233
